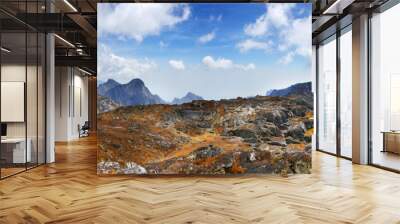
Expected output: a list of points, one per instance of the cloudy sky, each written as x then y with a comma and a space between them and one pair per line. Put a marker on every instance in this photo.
213, 50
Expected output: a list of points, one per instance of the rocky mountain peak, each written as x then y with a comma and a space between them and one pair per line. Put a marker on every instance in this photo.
136, 83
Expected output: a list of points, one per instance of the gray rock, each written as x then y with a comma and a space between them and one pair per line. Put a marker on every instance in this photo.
248, 135
205, 152
133, 168
296, 132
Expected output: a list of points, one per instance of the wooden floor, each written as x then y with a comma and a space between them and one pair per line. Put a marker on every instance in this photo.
386, 159
69, 191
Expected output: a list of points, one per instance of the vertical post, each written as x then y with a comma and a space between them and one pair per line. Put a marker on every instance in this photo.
50, 92
315, 94
338, 76
360, 89
316, 115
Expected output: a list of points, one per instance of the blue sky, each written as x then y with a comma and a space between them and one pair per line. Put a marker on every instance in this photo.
213, 50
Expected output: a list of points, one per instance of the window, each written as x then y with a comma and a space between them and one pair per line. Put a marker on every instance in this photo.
346, 93
327, 96
385, 89
22, 88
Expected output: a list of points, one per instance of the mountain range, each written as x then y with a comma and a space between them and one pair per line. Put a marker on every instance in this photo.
296, 89
131, 93
135, 92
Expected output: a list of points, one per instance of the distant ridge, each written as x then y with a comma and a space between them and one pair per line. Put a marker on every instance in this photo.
189, 97
296, 89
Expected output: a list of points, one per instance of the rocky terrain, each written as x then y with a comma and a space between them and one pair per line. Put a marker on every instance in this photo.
105, 104
262, 134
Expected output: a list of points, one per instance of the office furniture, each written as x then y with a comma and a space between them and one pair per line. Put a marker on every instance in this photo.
391, 141
13, 150
84, 130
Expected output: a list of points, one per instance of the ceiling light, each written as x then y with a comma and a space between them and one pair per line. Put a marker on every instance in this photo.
5, 50
337, 7
84, 71
70, 5
64, 40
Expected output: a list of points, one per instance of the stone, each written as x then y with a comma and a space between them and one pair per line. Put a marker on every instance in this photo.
133, 168
296, 132
205, 152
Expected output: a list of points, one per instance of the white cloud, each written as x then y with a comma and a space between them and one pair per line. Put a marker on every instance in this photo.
298, 36
296, 39
126, 20
223, 63
122, 69
178, 65
293, 35
207, 37
219, 63
258, 28
251, 44
247, 67
276, 15
287, 58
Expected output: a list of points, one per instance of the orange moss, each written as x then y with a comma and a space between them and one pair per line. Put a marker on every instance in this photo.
236, 168
299, 147
309, 115
309, 132
205, 140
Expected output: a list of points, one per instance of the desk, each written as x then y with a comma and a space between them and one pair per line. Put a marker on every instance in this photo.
391, 141
13, 150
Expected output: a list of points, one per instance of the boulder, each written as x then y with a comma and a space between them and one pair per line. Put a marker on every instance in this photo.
296, 132
248, 135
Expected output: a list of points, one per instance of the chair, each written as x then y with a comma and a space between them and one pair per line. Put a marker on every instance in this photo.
84, 130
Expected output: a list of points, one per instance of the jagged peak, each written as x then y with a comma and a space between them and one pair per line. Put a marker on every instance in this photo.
111, 81
136, 82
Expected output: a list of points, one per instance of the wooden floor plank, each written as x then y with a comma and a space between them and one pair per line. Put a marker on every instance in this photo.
69, 191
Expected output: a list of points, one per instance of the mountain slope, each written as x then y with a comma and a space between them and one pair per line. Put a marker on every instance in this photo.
296, 89
107, 86
189, 97
245, 135
133, 93
105, 104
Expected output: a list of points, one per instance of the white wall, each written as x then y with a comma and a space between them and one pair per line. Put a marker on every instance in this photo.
71, 102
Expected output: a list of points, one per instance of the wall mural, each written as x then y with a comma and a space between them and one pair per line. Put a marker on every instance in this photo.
204, 88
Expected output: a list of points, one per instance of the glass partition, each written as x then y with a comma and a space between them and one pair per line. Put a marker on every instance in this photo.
41, 97
31, 99
385, 89
13, 109
327, 96
346, 93
22, 77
